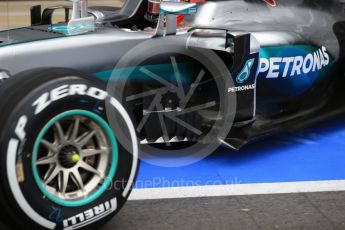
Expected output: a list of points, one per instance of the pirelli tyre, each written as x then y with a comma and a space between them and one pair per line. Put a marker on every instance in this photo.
62, 165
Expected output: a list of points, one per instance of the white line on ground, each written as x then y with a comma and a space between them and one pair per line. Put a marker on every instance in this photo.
238, 190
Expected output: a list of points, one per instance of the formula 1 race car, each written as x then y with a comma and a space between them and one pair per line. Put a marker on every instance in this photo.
79, 98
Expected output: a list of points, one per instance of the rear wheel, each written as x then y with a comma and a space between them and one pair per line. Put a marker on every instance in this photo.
62, 165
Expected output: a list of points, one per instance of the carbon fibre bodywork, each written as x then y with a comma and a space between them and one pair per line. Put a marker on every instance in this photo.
286, 60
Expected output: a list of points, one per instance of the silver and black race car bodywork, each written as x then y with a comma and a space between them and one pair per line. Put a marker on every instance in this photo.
285, 57
181, 77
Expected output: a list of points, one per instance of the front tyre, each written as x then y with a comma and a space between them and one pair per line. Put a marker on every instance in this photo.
62, 165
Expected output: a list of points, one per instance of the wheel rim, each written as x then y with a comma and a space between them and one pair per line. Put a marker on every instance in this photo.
75, 158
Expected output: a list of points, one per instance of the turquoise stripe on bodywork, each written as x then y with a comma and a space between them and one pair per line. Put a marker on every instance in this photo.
164, 71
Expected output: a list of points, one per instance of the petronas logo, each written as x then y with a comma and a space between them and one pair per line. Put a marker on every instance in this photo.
245, 73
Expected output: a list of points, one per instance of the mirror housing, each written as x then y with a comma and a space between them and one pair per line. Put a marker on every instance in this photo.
178, 8
168, 12
46, 17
